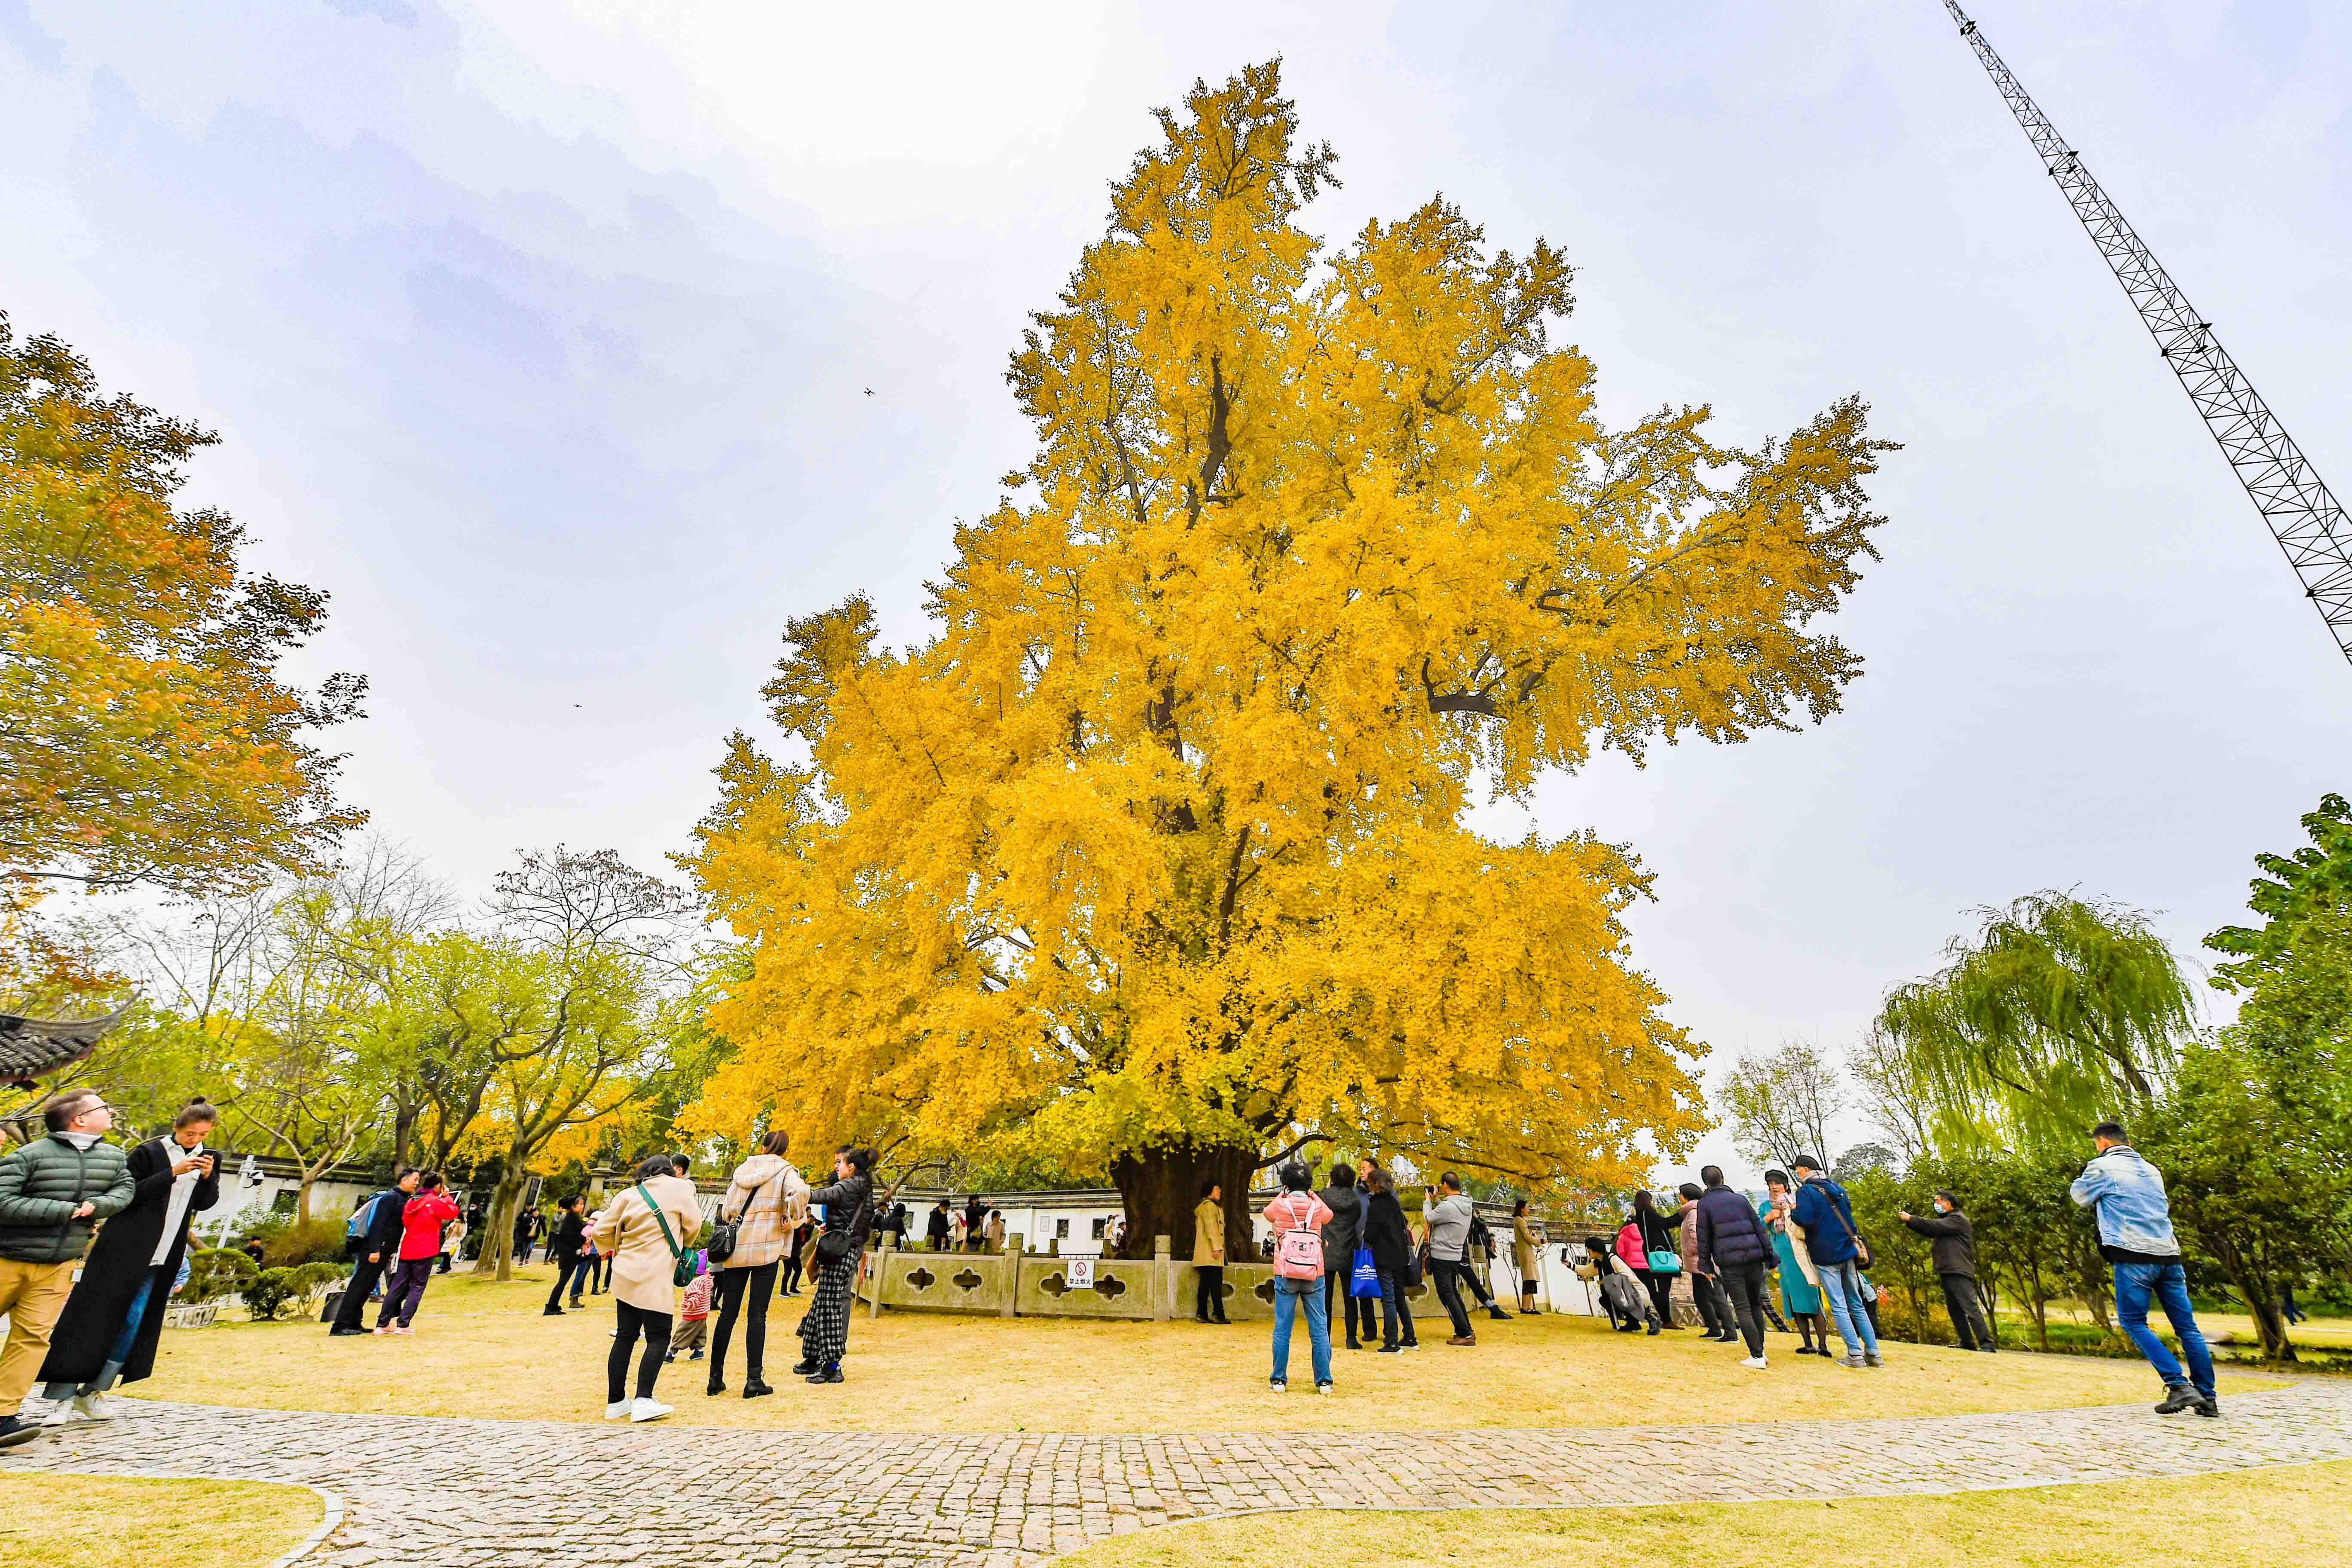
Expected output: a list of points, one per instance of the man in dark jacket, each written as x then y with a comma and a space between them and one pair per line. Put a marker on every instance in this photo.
935, 1230
563, 1251
378, 1248
53, 1193
1340, 1238
1732, 1242
1836, 1248
1954, 1255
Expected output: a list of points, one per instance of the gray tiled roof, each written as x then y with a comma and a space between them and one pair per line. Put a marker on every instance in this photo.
31, 1048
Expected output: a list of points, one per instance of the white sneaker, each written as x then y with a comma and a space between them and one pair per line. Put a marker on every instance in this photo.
97, 1406
1279, 1386
1754, 1362
647, 1410
1322, 1388
62, 1412
615, 1412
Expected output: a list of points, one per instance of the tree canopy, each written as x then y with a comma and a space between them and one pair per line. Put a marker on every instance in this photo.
2315, 880
2061, 1011
1157, 844
151, 738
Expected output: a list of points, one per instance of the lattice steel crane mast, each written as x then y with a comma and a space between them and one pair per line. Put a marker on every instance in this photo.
2303, 513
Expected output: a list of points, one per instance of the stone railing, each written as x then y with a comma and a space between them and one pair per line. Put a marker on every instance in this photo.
1013, 1283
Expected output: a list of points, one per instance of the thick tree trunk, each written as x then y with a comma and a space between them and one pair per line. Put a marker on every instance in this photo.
498, 1246
1159, 1187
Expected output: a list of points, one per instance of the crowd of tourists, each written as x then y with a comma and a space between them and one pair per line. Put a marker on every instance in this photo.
94, 1240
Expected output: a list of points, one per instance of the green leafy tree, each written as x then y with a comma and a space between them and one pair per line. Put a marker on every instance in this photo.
2314, 882
1898, 1259
2255, 1187
2060, 1012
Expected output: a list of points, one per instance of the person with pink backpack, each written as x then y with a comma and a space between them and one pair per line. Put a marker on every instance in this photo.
1298, 1217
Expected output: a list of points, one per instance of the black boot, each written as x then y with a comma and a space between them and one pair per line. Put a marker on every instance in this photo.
753, 1388
2179, 1397
830, 1375
803, 1367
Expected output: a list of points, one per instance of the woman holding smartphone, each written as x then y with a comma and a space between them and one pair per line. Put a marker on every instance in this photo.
115, 1315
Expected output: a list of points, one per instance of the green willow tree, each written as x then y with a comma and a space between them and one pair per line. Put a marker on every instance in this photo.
2059, 1012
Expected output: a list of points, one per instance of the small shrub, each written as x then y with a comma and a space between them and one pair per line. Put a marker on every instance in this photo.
310, 1279
267, 1291
291, 1245
214, 1272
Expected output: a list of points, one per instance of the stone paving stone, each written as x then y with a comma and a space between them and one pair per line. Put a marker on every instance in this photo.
438, 1493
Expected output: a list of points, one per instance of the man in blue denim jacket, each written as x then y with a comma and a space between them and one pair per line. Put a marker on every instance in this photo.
2135, 1239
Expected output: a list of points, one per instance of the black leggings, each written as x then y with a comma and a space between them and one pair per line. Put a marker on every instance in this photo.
1209, 1294
791, 1275
568, 1271
634, 1320
1357, 1316
733, 1284
1661, 1287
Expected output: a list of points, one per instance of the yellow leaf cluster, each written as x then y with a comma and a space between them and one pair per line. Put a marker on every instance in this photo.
1158, 841
148, 736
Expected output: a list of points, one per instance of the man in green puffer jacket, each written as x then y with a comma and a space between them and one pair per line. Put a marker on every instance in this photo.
53, 1193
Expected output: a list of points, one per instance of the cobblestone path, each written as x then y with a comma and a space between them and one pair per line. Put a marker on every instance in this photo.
507, 1494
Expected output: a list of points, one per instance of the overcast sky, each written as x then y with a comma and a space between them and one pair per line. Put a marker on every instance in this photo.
541, 336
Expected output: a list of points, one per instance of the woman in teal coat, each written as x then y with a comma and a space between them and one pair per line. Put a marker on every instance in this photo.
1800, 1294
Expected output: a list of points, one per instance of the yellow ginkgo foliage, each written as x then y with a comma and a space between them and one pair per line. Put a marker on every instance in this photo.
1152, 859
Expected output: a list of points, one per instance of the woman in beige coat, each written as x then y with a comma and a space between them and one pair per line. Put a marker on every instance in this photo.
770, 1198
1526, 1246
645, 1229
1209, 1255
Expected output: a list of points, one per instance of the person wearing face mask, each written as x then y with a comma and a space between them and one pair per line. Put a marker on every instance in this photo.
115, 1316
53, 1193
1954, 1255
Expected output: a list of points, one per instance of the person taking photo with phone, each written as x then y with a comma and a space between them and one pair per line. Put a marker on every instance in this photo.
115, 1315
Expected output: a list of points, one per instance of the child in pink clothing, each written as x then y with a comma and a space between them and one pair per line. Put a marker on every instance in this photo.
693, 1318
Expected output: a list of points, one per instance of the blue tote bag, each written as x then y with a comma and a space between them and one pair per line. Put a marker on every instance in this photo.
1363, 1280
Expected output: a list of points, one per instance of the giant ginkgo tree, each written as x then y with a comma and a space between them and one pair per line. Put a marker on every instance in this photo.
1154, 857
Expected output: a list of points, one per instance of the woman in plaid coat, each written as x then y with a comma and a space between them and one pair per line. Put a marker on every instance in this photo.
770, 1198
848, 1206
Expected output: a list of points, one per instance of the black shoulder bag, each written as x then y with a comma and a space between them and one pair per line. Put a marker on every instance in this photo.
833, 1244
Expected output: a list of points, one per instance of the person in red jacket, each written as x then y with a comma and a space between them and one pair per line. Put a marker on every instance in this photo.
420, 1245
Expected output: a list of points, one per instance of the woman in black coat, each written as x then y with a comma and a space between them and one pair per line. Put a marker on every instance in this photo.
1386, 1234
115, 1315
848, 1205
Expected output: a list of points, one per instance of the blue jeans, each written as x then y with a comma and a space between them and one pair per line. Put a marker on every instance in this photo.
1842, 1288
1396, 1312
2168, 1283
1290, 1295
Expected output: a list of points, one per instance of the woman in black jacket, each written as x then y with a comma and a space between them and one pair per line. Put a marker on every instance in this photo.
840, 1251
1386, 1234
115, 1316
564, 1251
1660, 1233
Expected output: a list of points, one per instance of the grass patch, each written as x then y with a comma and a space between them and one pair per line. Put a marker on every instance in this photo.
482, 1349
2251, 1518
110, 1522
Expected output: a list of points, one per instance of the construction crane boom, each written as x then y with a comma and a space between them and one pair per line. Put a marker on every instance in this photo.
2301, 512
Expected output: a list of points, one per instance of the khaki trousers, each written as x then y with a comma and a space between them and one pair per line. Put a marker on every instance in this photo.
34, 1296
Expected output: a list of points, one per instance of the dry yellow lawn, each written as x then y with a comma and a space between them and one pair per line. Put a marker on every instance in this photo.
2254, 1519
103, 1521
482, 1349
